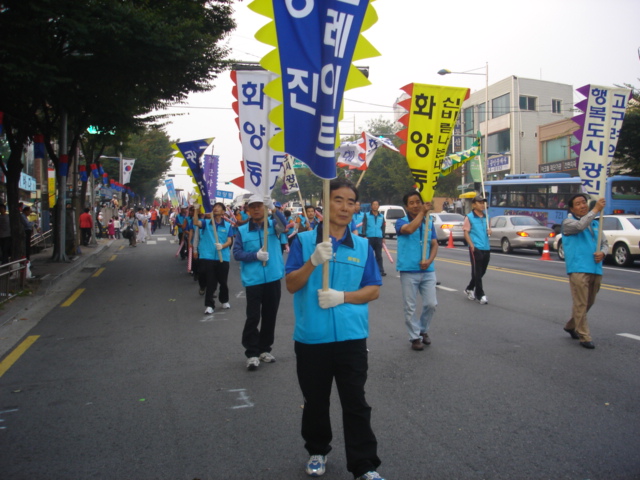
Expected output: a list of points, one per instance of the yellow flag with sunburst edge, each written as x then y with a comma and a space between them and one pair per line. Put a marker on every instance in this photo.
315, 44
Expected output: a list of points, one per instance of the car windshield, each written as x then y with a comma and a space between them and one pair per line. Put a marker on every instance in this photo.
525, 222
452, 217
635, 221
394, 213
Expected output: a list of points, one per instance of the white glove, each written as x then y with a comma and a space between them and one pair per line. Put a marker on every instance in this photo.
322, 253
263, 256
330, 298
218, 246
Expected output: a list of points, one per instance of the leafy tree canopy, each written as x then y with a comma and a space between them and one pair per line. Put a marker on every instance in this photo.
627, 155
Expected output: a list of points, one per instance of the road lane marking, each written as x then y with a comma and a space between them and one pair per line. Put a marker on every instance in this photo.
73, 297
113, 257
544, 276
121, 247
447, 288
17, 353
628, 335
151, 242
98, 272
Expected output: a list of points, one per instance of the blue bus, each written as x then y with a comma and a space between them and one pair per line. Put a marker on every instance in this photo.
544, 196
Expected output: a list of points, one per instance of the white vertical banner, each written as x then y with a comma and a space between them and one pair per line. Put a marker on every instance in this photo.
604, 110
289, 178
262, 164
127, 166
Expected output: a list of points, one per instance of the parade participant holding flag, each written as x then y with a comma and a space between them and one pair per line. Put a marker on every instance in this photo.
416, 273
583, 259
331, 333
261, 270
212, 252
476, 233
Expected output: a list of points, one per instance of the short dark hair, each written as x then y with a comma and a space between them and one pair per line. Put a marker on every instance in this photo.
408, 195
307, 207
573, 197
338, 183
219, 204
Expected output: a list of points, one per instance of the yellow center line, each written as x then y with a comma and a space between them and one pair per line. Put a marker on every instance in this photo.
16, 354
113, 257
73, 297
121, 247
98, 272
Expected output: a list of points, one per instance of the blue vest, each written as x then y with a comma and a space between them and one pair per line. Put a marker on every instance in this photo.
374, 225
207, 246
253, 273
579, 250
179, 220
358, 218
410, 249
345, 322
478, 231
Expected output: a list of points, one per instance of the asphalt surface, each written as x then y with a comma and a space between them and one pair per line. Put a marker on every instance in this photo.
132, 380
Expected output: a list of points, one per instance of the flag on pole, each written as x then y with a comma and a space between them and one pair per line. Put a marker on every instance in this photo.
211, 176
432, 114
315, 45
191, 153
262, 164
456, 160
289, 179
350, 154
604, 110
127, 167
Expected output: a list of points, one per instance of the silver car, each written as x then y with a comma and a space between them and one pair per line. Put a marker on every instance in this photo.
518, 231
448, 222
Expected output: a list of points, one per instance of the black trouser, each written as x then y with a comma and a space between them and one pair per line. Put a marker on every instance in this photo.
317, 366
376, 244
183, 251
86, 235
5, 246
262, 301
479, 264
27, 245
210, 274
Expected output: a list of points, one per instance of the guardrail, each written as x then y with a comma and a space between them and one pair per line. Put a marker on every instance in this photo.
42, 240
12, 279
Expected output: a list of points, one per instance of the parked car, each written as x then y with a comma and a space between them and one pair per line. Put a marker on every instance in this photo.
622, 233
391, 215
518, 231
445, 223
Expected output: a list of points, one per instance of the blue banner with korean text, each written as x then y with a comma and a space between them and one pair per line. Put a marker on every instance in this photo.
191, 152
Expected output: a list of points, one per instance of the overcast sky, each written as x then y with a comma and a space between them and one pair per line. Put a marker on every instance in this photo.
576, 42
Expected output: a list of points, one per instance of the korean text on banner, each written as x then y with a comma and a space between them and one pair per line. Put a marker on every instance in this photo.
171, 190
289, 179
600, 124
191, 152
210, 170
315, 45
432, 114
262, 164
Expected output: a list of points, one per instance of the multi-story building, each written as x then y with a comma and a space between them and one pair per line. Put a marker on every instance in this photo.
517, 106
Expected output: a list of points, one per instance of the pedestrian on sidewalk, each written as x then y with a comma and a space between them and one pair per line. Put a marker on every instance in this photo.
86, 224
477, 233
5, 234
28, 230
211, 271
116, 227
261, 272
417, 275
583, 261
331, 333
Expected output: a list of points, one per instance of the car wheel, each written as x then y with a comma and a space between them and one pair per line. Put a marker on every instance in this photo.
506, 246
540, 250
561, 251
622, 255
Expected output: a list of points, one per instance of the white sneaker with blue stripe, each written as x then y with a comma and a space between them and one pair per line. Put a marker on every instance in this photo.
316, 465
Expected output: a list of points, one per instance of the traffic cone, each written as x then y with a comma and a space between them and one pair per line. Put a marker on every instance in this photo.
450, 244
545, 251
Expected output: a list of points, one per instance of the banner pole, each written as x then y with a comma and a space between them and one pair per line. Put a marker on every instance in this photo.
265, 243
361, 177
326, 193
425, 237
215, 234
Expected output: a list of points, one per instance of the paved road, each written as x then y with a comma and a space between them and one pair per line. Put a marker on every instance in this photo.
132, 380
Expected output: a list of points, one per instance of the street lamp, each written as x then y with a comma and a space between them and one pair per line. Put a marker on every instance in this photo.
485, 146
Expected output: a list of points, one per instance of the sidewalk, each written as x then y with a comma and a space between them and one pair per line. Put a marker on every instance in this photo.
20, 314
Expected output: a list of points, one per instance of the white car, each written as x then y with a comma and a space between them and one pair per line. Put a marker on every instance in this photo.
391, 213
622, 233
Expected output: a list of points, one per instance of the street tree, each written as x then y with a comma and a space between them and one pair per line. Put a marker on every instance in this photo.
627, 156
105, 63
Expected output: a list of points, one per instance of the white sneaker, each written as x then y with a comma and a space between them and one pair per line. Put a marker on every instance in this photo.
266, 357
483, 300
316, 465
208, 310
470, 294
253, 363
226, 306
370, 476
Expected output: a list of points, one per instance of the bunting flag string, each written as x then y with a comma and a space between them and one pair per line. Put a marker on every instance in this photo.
456, 160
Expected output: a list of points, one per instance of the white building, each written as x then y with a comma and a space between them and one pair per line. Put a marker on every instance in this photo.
517, 106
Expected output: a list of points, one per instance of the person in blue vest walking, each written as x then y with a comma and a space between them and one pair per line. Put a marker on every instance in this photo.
331, 333
583, 259
211, 271
358, 218
373, 227
476, 233
416, 275
261, 271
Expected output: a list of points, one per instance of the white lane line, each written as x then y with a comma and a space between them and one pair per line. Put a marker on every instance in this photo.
628, 335
447, 288
151, 242
162, 239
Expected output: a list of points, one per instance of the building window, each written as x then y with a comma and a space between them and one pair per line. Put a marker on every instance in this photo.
528, 103
556, 106
500, 106
469, 127
500, 142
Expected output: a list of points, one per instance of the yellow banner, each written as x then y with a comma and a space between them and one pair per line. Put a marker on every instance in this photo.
432, 114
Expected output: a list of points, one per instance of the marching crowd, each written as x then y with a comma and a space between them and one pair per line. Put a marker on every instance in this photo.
331, 324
